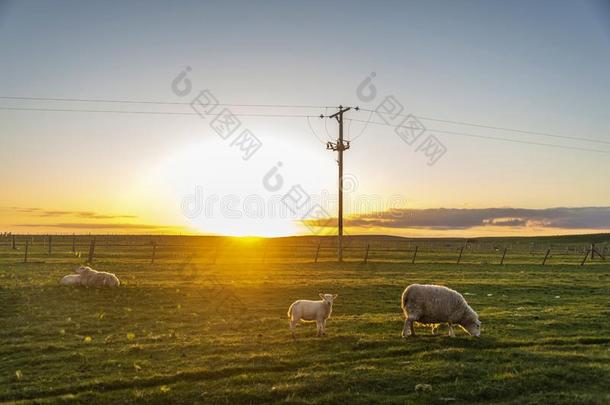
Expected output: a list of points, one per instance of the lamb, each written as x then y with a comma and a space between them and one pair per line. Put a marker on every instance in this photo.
434, 304
94, 278
70, 279
309, 311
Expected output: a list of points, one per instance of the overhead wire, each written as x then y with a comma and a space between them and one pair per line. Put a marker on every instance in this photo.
152, 112
155, 102
366, 122
502, 139
497, 128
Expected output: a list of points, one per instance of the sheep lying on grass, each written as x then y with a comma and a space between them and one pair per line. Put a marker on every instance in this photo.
309, 311
434, 304
70, 279
94, 278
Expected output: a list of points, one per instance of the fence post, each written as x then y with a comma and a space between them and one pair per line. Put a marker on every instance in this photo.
503, 256
14, 245
414, 255
73, 243
154, 252
215, 252
27, 247
366, 255
50, 245
317, 252
546, 256
460, 256
594, 250
265, 252
91, 251
584, 259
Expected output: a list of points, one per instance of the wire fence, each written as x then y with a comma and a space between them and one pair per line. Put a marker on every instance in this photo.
216, 250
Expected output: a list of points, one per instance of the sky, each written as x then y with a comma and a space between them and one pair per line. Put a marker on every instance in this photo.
542, 67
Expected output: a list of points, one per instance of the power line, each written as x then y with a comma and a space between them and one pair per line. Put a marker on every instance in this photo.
155, 102
152, 112
313, 131
365, 126
325, 123
367, 122
102, 100
495, 138
487, 126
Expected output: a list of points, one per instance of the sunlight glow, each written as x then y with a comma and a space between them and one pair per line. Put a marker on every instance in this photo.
214, 191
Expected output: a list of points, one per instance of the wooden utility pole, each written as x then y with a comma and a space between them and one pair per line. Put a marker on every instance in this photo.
339, 147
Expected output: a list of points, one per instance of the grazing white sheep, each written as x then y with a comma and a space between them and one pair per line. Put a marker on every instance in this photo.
94, 278
310, 311
434, 304
70, 279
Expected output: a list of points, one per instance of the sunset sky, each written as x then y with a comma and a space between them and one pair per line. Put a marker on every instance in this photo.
542, 66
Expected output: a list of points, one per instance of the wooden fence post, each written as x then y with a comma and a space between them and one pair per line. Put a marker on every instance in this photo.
14, 245
503, 256
154, 252
50, 245
584, 259
460, 256
594, 252
414, 255
317, 252
215, 253
27, 247
366, 255
73, 243
265, 252
91, 251
546, 256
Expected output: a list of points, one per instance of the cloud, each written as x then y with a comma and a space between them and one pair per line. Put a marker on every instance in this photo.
466, 218
88, 225
39, 212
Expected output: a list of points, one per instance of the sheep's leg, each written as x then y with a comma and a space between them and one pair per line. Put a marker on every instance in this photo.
293, 325
405, 328
319, 327
324, 327
409, 326
451, 332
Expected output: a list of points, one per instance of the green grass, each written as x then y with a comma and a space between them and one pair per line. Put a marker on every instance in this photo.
195, 332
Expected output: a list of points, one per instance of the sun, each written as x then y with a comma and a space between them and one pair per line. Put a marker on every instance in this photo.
214, 190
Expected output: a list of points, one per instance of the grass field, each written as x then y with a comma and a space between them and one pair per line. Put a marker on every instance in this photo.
188, 331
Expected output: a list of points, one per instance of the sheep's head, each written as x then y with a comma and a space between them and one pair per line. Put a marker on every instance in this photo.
82, 269
473, 327
328, 298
